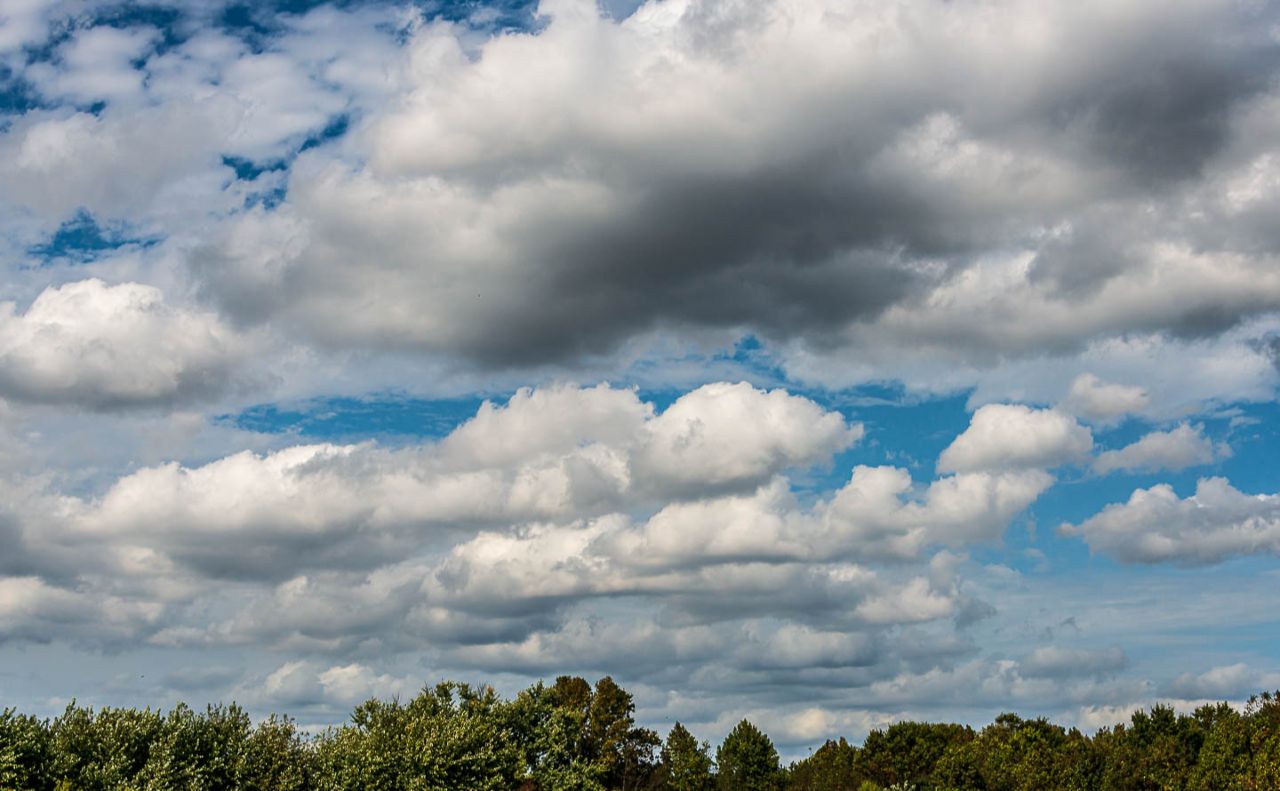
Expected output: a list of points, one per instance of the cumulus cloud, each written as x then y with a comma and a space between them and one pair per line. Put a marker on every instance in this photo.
1012, 436
35, 611
1156, 526
1176, 449
562, 454
727, 434
870, 515
677, 182
1093, 399
100, 346
494, 545
1225, 682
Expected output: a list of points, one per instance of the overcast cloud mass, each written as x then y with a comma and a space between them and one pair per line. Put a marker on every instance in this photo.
825, 363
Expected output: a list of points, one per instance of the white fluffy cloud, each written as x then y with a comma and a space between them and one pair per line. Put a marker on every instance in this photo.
562, 454
1225, 682
306, 683
1093, 399
1156, 526
1176, 449
1012, 436
104, 347
726, 434
489, 542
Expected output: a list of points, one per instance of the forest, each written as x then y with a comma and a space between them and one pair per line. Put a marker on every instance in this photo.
573, 736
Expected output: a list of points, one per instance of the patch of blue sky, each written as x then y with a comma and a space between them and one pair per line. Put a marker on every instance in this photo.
336, 127
494, 15
17, 96
168, 20
82, 239
389, 418
257, 22
249, 170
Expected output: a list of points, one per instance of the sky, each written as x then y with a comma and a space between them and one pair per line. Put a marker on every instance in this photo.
820, 362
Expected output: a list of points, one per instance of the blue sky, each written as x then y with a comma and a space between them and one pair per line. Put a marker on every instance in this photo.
818, 363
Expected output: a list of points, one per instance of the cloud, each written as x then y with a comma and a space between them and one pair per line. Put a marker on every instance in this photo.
1225, 682
1093, 399
1176, 449
524, 209
32, 610
96, 65
868, 514
540, 534
1012, 436
108, 347
168, 105
1156, 526
562, 454
728, 435
1054, 662
300, 683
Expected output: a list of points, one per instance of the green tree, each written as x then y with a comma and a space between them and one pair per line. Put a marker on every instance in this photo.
1263, 716
907, 752
1224, 761
1026, 755
624, 752
103, 750
277, 758
549, 739
26, 752
747, 761
450, 736
1156, 751
686, 764
832, 767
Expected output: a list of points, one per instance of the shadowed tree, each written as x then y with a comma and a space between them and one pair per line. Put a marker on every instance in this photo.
831, 768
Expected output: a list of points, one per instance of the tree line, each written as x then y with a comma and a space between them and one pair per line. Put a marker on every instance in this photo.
573, 736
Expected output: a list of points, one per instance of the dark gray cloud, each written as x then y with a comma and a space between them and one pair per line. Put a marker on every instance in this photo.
760, 192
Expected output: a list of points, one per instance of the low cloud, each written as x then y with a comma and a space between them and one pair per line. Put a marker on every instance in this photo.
1225, 682
104, 347
1176, 449
1011, 436
1091, 398
1156, 526
1054, 662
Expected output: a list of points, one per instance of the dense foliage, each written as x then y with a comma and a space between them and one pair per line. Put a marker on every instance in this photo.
571, 736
